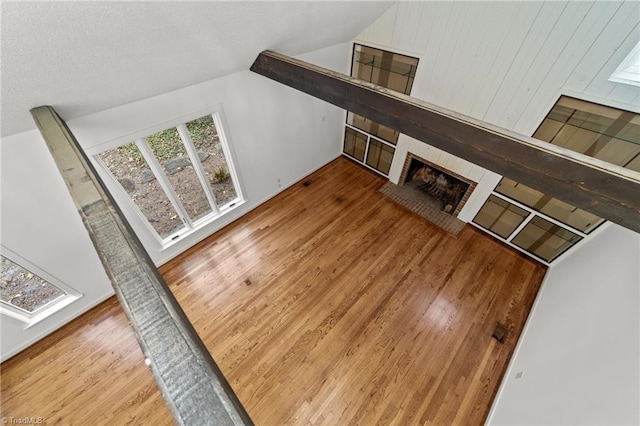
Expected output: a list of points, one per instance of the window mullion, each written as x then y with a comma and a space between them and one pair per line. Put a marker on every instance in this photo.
156, 168
520, 227
197, 166
217, 120
366, 148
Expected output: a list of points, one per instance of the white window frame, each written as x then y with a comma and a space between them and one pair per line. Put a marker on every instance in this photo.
628, 72
190, 227
32, 318
366, 150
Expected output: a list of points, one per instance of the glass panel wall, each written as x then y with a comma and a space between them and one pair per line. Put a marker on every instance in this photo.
565, 213
602, 132
379, 156
373, 128
387, 69
392, 71
23, 289
172, 156
204, 136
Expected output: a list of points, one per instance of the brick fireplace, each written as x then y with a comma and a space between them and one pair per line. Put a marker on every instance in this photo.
435, 181
431, 191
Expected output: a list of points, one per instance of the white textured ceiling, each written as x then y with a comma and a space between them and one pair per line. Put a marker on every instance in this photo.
84, 57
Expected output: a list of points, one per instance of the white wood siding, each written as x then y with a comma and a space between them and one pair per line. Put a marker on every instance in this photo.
507, 62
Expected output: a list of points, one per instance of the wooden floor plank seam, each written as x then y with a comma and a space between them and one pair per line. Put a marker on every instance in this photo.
326, 305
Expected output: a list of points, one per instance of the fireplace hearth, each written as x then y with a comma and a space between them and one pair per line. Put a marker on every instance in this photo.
431, 191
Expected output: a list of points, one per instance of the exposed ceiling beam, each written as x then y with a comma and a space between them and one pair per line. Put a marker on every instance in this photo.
601, 188
191, 383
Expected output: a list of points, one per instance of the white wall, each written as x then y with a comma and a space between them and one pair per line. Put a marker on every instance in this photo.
41, 225
580, 350
275, 133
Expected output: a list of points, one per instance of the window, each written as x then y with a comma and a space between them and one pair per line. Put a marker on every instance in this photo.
26, 296
545, 239
551, 226
178, 179
379, 156
599, 131
371, 143
500, 216
519, 226
355, 143
557, 209
628, 72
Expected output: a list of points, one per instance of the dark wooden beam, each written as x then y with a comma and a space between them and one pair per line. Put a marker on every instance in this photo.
601, 188
191, 383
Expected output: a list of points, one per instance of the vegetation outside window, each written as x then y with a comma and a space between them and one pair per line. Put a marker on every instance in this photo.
178, 179
25, 295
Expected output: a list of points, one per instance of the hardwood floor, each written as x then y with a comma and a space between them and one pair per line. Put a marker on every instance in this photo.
329, 304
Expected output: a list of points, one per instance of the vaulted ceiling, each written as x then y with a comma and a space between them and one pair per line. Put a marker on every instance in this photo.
84, 57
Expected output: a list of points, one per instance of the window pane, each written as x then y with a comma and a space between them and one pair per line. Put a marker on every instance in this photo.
169, 150
544, 239
373, 128
565, 213
205, 137
500, 216
615, 151
386, 69
634, 164
130, 169
23, 289
355, 144
380, 156
602, 132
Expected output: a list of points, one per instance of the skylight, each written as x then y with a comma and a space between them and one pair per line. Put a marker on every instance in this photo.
628, 72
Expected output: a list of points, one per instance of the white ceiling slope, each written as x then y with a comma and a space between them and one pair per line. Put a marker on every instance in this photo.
84, 57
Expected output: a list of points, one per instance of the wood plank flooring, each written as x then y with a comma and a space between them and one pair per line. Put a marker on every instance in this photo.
329, 304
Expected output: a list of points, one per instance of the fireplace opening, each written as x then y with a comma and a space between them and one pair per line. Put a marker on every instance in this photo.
439, 184
431, 191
